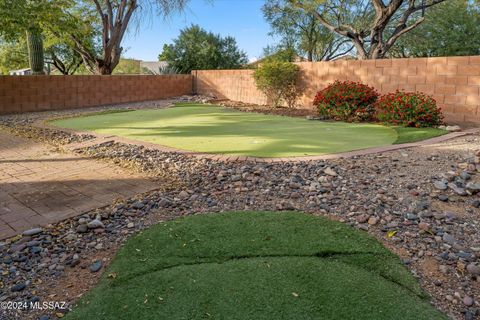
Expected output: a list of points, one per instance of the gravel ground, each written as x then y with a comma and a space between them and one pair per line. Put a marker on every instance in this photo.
422, 203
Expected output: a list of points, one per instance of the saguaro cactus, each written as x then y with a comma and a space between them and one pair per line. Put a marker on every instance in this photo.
35, 51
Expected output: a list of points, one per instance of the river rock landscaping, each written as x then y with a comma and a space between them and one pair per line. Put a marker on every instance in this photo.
422, 203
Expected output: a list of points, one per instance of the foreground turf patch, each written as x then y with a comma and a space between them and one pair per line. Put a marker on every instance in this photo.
212, 129
255, 265
407, 134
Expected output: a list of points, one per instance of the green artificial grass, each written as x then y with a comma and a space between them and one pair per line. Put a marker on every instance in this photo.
212, 129
407, 134
255, 265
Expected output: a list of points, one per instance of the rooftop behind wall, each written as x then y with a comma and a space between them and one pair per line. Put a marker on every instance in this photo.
37, 93
454, 82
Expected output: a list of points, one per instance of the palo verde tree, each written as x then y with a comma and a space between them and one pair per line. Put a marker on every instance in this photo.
373, 26
301, 30
114, 17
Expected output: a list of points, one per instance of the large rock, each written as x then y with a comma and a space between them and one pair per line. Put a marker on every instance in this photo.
329, 171
440, 185
32, 232
473, 187
94, 224
96, 266
473, 269
458, 190
453, 128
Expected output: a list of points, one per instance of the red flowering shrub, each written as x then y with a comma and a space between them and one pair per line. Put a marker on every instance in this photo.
346, 100
411, 109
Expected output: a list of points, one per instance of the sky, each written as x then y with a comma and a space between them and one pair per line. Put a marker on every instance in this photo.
241, 19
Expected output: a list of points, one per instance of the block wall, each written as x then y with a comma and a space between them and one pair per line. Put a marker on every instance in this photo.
454, 82
37, 93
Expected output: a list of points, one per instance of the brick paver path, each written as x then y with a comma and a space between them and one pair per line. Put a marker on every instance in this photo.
39, 185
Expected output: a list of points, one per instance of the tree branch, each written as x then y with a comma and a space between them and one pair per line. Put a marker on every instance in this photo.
396, 35
108, 4
331, 57
342, 29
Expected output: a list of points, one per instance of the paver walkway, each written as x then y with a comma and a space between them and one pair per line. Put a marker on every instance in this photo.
39, 185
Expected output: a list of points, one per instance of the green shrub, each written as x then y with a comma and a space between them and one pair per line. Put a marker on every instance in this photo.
346, 100
278, 81
411, 109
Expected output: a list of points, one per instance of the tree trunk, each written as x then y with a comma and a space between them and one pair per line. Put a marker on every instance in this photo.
104, 69
377, 53
361, 53
35, 51
106, 66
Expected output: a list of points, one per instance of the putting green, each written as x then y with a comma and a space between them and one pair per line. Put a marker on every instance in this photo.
212, 129
255, 265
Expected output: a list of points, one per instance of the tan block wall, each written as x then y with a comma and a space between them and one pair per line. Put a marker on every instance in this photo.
454, 82
37, 93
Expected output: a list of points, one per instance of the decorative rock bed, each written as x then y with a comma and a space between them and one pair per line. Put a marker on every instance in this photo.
393, 195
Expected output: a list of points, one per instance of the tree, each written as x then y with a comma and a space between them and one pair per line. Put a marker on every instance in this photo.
195, 48
373, 26
13, 56
114, 17
76, 21
279, 53
45, 22
25, 17
451, 29
301, 30
64, 57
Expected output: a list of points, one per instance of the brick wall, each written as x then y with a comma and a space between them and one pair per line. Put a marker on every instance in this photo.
453, 81
35, 93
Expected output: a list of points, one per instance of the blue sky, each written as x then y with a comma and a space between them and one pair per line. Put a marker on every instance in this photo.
241, 19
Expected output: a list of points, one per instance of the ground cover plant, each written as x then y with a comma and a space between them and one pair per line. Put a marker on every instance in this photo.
212, 129
255, 265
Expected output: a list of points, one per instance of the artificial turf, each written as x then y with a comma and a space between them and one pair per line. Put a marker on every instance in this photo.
255, 265
408, 134
212, 129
